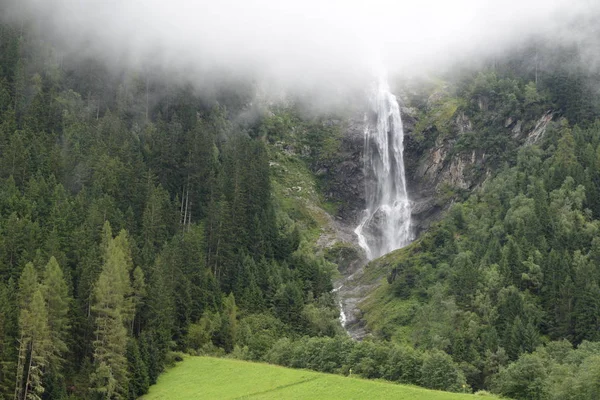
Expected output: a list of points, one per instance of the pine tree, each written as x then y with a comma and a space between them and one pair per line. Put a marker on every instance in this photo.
159, 318
122, 242
37, 334
465, 278
157, 221
112, 310
34, 337
586, 313
28, 284
511, 264
564, 310
57, 298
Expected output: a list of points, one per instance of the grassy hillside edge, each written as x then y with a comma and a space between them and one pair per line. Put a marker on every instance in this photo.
216, 378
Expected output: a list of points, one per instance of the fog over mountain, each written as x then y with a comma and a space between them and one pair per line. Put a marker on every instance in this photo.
311, 43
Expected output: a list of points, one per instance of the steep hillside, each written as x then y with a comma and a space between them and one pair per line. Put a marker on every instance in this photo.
512, 265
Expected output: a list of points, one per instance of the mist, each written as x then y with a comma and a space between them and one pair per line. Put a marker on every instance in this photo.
327, 45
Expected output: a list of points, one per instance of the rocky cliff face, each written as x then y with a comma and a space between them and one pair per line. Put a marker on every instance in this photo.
436, 175
430, 172
346, 185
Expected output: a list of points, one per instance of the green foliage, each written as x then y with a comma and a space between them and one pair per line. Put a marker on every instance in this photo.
139, 381
556, 371
258, 333
439, 372
206, 241
56, 294
440, 116
202, 333
523, 379
34, 337
433, 369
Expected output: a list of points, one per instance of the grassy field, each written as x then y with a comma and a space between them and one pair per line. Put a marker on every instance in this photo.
215, 378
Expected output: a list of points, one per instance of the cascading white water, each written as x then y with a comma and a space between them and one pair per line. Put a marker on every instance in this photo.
386, 223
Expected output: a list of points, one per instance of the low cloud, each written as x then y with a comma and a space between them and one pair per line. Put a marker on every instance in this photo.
324, 44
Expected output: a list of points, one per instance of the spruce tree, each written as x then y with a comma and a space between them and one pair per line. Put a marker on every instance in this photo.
228, 331
139, 382
9, 330
139, 293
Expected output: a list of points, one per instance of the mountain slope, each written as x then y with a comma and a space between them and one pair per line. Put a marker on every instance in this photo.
513, 264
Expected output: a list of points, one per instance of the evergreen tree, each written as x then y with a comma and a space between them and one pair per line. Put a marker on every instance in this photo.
139, 381
9, 332
587, 313
228, 331
34, 337
138, 291
112, 312
35, 332
56, 294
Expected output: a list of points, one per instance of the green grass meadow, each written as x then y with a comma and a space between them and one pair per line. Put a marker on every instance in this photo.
217, 378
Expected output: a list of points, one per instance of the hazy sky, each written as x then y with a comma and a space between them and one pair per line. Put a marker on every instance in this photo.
296, 42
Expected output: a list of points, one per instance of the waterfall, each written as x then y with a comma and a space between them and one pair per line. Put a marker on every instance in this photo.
385, 225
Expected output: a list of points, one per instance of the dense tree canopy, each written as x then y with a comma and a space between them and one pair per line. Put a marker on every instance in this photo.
133, 225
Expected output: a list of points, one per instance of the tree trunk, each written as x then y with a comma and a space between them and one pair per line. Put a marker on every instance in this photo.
28, 371
20, 366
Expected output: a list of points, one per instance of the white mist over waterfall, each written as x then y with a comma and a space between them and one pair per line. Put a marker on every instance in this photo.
386, 223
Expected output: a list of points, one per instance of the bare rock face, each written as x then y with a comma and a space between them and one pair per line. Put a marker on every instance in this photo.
540, 128
463, 123
436, 170
346, 180
429, 171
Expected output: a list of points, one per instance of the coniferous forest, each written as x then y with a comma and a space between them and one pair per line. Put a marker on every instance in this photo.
130, 231
142, 219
